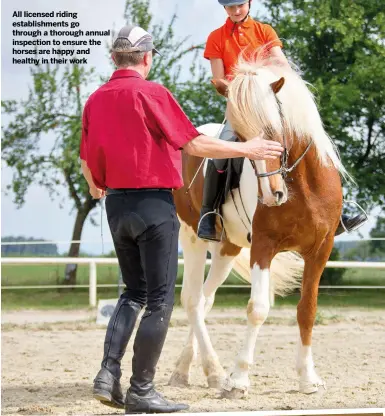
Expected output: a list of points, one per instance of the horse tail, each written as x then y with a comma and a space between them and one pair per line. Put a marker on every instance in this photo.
286, 271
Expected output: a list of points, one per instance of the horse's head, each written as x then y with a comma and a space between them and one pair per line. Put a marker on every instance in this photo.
253, 108
273, 190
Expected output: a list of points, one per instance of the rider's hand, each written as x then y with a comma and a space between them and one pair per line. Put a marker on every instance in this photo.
260, 149
221, 85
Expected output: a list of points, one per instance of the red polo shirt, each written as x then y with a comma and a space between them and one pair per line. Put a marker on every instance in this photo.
132, 134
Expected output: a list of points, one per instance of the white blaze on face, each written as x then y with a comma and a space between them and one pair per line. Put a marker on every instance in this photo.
268, 197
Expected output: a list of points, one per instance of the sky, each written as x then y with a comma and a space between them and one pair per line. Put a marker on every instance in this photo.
41, 217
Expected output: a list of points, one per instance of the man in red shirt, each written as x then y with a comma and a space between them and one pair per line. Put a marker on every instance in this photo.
132, 137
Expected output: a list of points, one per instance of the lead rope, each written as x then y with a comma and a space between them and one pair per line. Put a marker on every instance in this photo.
101, 221
204, 159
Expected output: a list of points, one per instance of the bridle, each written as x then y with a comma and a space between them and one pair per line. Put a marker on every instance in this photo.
284, 170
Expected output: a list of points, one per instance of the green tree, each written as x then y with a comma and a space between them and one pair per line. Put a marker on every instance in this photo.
339, 46
377, 247
54, 106
333, 276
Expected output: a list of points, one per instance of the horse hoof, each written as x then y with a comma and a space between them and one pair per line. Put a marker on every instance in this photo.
311, 388
178, 380
216, 382
233, 394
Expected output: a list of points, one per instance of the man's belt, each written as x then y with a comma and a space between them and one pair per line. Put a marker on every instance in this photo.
111, 191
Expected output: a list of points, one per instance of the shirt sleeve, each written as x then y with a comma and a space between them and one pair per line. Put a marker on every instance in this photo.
271, 38
213, 49
83, 141
170, 118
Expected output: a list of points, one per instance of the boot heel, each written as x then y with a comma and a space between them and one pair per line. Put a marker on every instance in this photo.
104, 397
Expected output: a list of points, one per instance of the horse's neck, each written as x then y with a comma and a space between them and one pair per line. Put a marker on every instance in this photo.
309, 173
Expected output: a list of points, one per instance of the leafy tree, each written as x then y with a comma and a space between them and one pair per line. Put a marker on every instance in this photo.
339, 45
48, 249
377, 247
333, 276
54, 106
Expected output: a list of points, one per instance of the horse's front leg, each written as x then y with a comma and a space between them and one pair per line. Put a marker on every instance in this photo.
309, 382
238, 383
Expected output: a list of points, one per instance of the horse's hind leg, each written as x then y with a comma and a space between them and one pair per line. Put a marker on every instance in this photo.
197, 304
221, 267
194, 255
306, 312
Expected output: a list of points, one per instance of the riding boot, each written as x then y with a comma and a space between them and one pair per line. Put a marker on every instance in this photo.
350, 223
107, 387
213, 184
142, 397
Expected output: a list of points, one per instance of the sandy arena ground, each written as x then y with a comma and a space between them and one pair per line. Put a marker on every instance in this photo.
48, 367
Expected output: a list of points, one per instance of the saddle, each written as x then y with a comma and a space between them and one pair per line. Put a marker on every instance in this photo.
233, 174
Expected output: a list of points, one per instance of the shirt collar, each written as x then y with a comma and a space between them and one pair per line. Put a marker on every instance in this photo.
125, 73
244, 25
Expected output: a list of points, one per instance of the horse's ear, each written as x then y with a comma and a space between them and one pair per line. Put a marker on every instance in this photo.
277, 85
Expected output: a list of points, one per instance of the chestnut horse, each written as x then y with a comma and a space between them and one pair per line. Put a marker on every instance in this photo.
291, 230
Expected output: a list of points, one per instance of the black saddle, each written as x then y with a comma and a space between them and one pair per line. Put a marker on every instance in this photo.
233, 172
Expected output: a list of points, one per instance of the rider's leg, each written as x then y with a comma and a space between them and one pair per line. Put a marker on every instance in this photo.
213, 184
350, 223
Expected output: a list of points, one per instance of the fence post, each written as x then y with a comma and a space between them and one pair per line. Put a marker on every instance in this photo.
92, 282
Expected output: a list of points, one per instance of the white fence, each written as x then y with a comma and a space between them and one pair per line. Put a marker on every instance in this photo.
93, 261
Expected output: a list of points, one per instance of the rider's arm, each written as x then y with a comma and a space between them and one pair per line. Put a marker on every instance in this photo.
217, 68
277, 54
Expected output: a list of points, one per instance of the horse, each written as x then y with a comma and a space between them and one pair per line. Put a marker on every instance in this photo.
279, 222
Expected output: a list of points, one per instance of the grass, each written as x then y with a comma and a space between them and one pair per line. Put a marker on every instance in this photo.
108, 274
78, 298
49, 274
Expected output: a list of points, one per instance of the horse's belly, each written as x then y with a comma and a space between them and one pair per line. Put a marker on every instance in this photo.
236, 222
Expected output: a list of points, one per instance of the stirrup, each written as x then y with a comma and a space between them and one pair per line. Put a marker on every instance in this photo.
222, 223
357, 226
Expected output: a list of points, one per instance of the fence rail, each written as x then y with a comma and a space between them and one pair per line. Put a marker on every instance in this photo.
93, 261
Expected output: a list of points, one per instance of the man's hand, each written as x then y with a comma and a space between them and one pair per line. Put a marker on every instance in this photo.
97, 193
260, 149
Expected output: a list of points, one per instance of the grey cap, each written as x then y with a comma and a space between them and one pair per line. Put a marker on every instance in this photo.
139, 39
232, 2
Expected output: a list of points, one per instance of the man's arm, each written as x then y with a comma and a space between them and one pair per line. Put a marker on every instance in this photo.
95, 192
256, 148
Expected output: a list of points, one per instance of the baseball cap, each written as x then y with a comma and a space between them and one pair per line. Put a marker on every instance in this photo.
139, 39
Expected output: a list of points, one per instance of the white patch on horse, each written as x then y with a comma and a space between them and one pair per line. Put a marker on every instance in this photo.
194, 302
238, 212
257, 312
308, 378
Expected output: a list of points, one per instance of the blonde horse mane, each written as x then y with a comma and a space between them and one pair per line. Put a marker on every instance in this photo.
252, 107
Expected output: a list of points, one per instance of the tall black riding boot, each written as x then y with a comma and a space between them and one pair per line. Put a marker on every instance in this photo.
141, 396
107, 387
350, 223
213, 183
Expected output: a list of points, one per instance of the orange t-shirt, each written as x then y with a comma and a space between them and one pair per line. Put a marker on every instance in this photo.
247, 37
